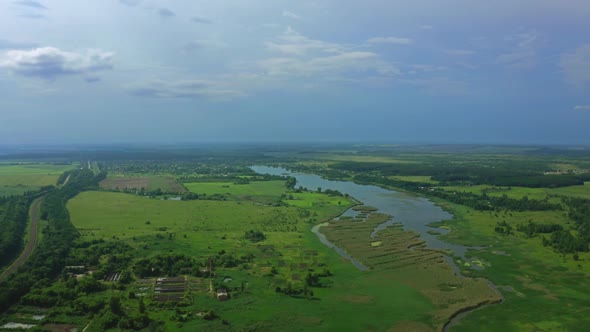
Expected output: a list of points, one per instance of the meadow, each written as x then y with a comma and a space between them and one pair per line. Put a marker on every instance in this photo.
147, 183
264, 191
348, 299
532, 277
17, 178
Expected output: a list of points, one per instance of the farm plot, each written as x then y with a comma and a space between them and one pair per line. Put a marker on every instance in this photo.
142, 183
170, 289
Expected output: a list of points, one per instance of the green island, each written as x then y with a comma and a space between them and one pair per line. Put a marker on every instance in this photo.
198, 240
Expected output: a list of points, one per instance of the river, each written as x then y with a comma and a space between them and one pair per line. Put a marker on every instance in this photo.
414, 213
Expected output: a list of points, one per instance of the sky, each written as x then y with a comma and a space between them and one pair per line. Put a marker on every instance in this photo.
425, 71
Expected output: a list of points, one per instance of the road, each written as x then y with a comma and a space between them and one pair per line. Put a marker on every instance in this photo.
31, 244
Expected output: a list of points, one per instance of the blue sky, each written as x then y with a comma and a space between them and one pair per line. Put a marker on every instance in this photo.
457, 71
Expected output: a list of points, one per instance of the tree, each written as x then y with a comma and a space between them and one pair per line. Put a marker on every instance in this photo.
115, 305
141, 305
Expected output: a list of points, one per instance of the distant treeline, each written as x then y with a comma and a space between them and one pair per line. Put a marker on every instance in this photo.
452, 174
59, 236
478, 202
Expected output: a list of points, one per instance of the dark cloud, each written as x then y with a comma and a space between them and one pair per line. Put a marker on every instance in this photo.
166, 13
92, 79
50, 62
201, 20
30, 3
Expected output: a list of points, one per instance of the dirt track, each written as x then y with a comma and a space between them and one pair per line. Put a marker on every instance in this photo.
30, 244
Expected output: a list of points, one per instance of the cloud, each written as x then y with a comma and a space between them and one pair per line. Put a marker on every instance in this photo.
165, 13
201, 20
303, 56
582, 107
51, 62
389, 40
576, 66
92, 79
131, 3
524, 52
292, 15
428, 68
353, 63
30, 3
10, 45
524, 59
191, 89
203, 44
293, 43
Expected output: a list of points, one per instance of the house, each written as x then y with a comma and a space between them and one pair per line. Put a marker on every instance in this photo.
222, 294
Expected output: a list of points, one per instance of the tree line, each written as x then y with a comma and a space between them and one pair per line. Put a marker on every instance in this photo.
59, 236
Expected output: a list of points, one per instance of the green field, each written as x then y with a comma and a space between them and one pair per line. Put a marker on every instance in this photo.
203, 228
15, 179
529, 274
261, 190
142, 182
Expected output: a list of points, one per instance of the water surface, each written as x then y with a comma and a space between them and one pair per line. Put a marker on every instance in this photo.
414, 213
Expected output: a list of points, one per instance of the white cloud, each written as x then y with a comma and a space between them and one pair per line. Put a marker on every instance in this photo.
576, 66
582, 107
353, 62
51, 62
191, 89
303, 56
292, 15
293, 43
389, 40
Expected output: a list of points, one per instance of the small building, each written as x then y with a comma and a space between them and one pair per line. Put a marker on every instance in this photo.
222, 294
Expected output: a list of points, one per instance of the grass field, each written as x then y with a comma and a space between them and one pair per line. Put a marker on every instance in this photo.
265, 191
147, 182
533, 278
15, 179
355, 300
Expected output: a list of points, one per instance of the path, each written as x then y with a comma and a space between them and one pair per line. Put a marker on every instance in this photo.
31, 244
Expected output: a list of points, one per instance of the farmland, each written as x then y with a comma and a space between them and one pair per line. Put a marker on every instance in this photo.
202, 229
147, 183
16, 178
